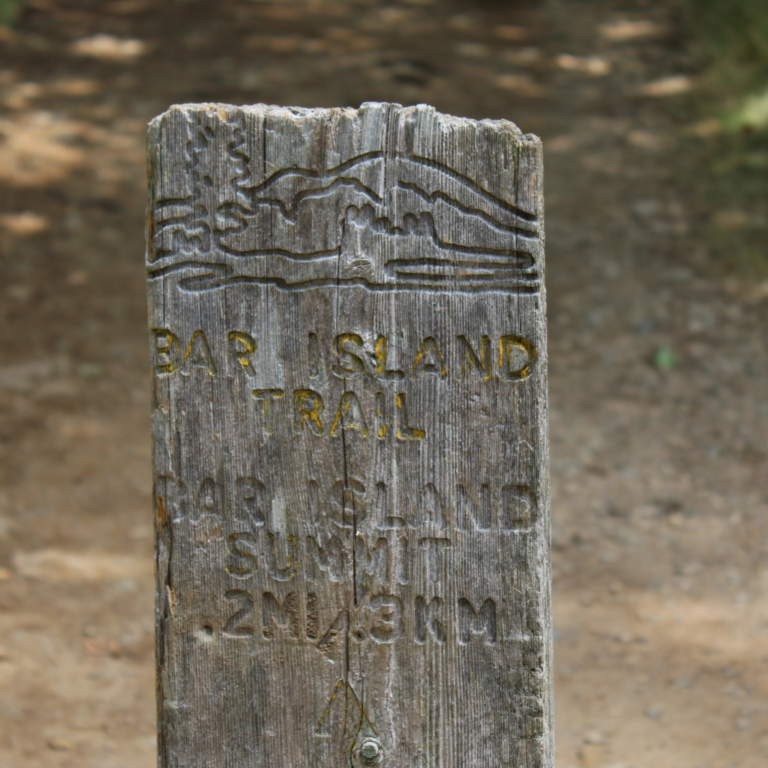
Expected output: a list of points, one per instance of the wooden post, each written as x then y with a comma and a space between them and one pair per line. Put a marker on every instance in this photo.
348, 343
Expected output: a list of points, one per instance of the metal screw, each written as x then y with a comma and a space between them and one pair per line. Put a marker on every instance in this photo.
370, 751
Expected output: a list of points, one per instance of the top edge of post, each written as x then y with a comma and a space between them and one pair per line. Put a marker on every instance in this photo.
499, 124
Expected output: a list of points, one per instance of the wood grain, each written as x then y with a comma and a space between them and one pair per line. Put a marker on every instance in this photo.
348, 341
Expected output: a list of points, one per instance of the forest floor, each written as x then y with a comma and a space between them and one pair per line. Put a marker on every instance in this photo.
658, 368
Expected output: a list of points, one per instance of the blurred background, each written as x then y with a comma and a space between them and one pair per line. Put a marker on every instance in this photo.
654, 117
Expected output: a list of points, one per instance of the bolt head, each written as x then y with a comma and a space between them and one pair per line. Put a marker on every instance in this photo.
370, 750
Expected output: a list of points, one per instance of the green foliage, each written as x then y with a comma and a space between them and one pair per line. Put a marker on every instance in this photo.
728, 171
732, 31
731, 38
9, 12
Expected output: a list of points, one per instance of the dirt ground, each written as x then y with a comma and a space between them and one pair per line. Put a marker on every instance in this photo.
658, 367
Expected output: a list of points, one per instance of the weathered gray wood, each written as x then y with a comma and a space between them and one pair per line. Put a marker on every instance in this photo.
347, 327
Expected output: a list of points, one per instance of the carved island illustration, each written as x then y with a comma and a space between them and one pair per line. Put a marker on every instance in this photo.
380, 221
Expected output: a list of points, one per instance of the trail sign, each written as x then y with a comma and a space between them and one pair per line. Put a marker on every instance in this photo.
348, 345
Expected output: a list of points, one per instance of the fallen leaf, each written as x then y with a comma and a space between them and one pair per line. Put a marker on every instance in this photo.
521, 83
759, 292
522, 56
705, 128
561, 143
591, 65
667, 86
25, 223
102, 645
645, 140
274, 43
462, 22
511, 33
59, 745
731, 219
625, 29
104, 46
126, 7
472, 50
76, 86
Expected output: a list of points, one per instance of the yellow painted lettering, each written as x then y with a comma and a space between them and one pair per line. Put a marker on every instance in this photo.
517, 358
381, 416
469, 358
166, 351
349, 415
241, 349
428, 359
198, 355
248, 568
382, 374
405, 432
268, 396
308, 405
350, 365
